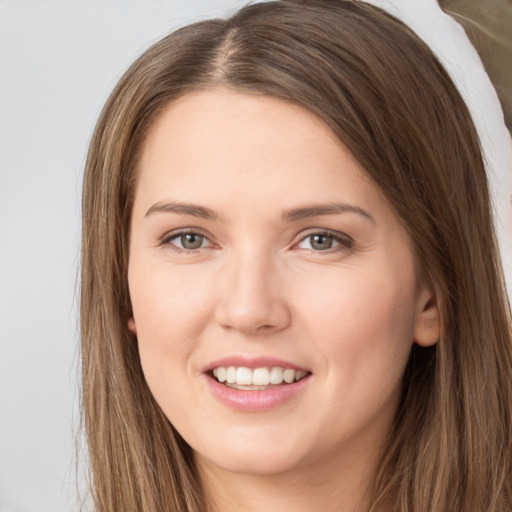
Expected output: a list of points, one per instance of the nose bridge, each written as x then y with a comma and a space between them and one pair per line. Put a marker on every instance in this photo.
252, 296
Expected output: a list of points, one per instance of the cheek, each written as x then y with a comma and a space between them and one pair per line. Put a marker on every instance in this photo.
170, 309
164, 296
361, 320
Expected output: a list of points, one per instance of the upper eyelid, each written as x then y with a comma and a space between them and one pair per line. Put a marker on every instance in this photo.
329, 232
167, 241
184, 231
344, 242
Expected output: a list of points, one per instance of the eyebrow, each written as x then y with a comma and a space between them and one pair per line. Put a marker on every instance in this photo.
292, 215
316, 210
182, 209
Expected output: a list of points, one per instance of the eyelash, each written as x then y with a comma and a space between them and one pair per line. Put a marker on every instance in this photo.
345, 242
167, 240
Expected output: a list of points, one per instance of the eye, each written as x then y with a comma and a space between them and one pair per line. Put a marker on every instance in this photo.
187, 241
325, 241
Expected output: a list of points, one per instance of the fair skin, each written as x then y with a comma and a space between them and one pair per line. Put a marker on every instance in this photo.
231, 266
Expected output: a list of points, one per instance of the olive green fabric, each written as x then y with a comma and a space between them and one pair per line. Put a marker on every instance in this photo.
488, 24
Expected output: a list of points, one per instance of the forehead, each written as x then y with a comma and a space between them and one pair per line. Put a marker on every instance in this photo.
219, 139
215, 121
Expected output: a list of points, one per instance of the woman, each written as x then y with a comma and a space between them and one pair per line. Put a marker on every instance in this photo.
291, 293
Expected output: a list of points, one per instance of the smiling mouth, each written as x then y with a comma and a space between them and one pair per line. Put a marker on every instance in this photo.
250, 379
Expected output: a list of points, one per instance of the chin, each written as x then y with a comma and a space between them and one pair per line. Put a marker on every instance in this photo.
256, 464
249, 457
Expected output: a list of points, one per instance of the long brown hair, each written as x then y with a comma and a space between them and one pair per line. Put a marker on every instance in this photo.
385, 95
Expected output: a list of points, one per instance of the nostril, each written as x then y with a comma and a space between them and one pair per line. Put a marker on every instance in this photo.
265, 327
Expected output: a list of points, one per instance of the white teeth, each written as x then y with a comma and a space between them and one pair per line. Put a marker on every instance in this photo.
289, 375
276, 375
242, 376
221, 374
231, 375
261, 377
300, 374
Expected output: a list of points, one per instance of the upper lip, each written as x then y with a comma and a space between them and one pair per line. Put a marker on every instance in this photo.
252, 362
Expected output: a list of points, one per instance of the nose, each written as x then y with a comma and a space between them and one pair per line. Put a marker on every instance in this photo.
251, 297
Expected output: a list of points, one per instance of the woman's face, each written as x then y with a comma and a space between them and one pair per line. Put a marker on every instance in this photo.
261, 253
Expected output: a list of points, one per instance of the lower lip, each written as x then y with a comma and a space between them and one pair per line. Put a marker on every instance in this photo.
255, 400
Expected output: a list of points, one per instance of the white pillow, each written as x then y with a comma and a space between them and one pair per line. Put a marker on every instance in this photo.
449, 42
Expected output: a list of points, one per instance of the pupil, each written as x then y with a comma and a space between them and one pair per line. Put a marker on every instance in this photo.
321, 242
191, 241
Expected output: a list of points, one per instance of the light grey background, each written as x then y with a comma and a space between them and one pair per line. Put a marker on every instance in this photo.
59, 59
